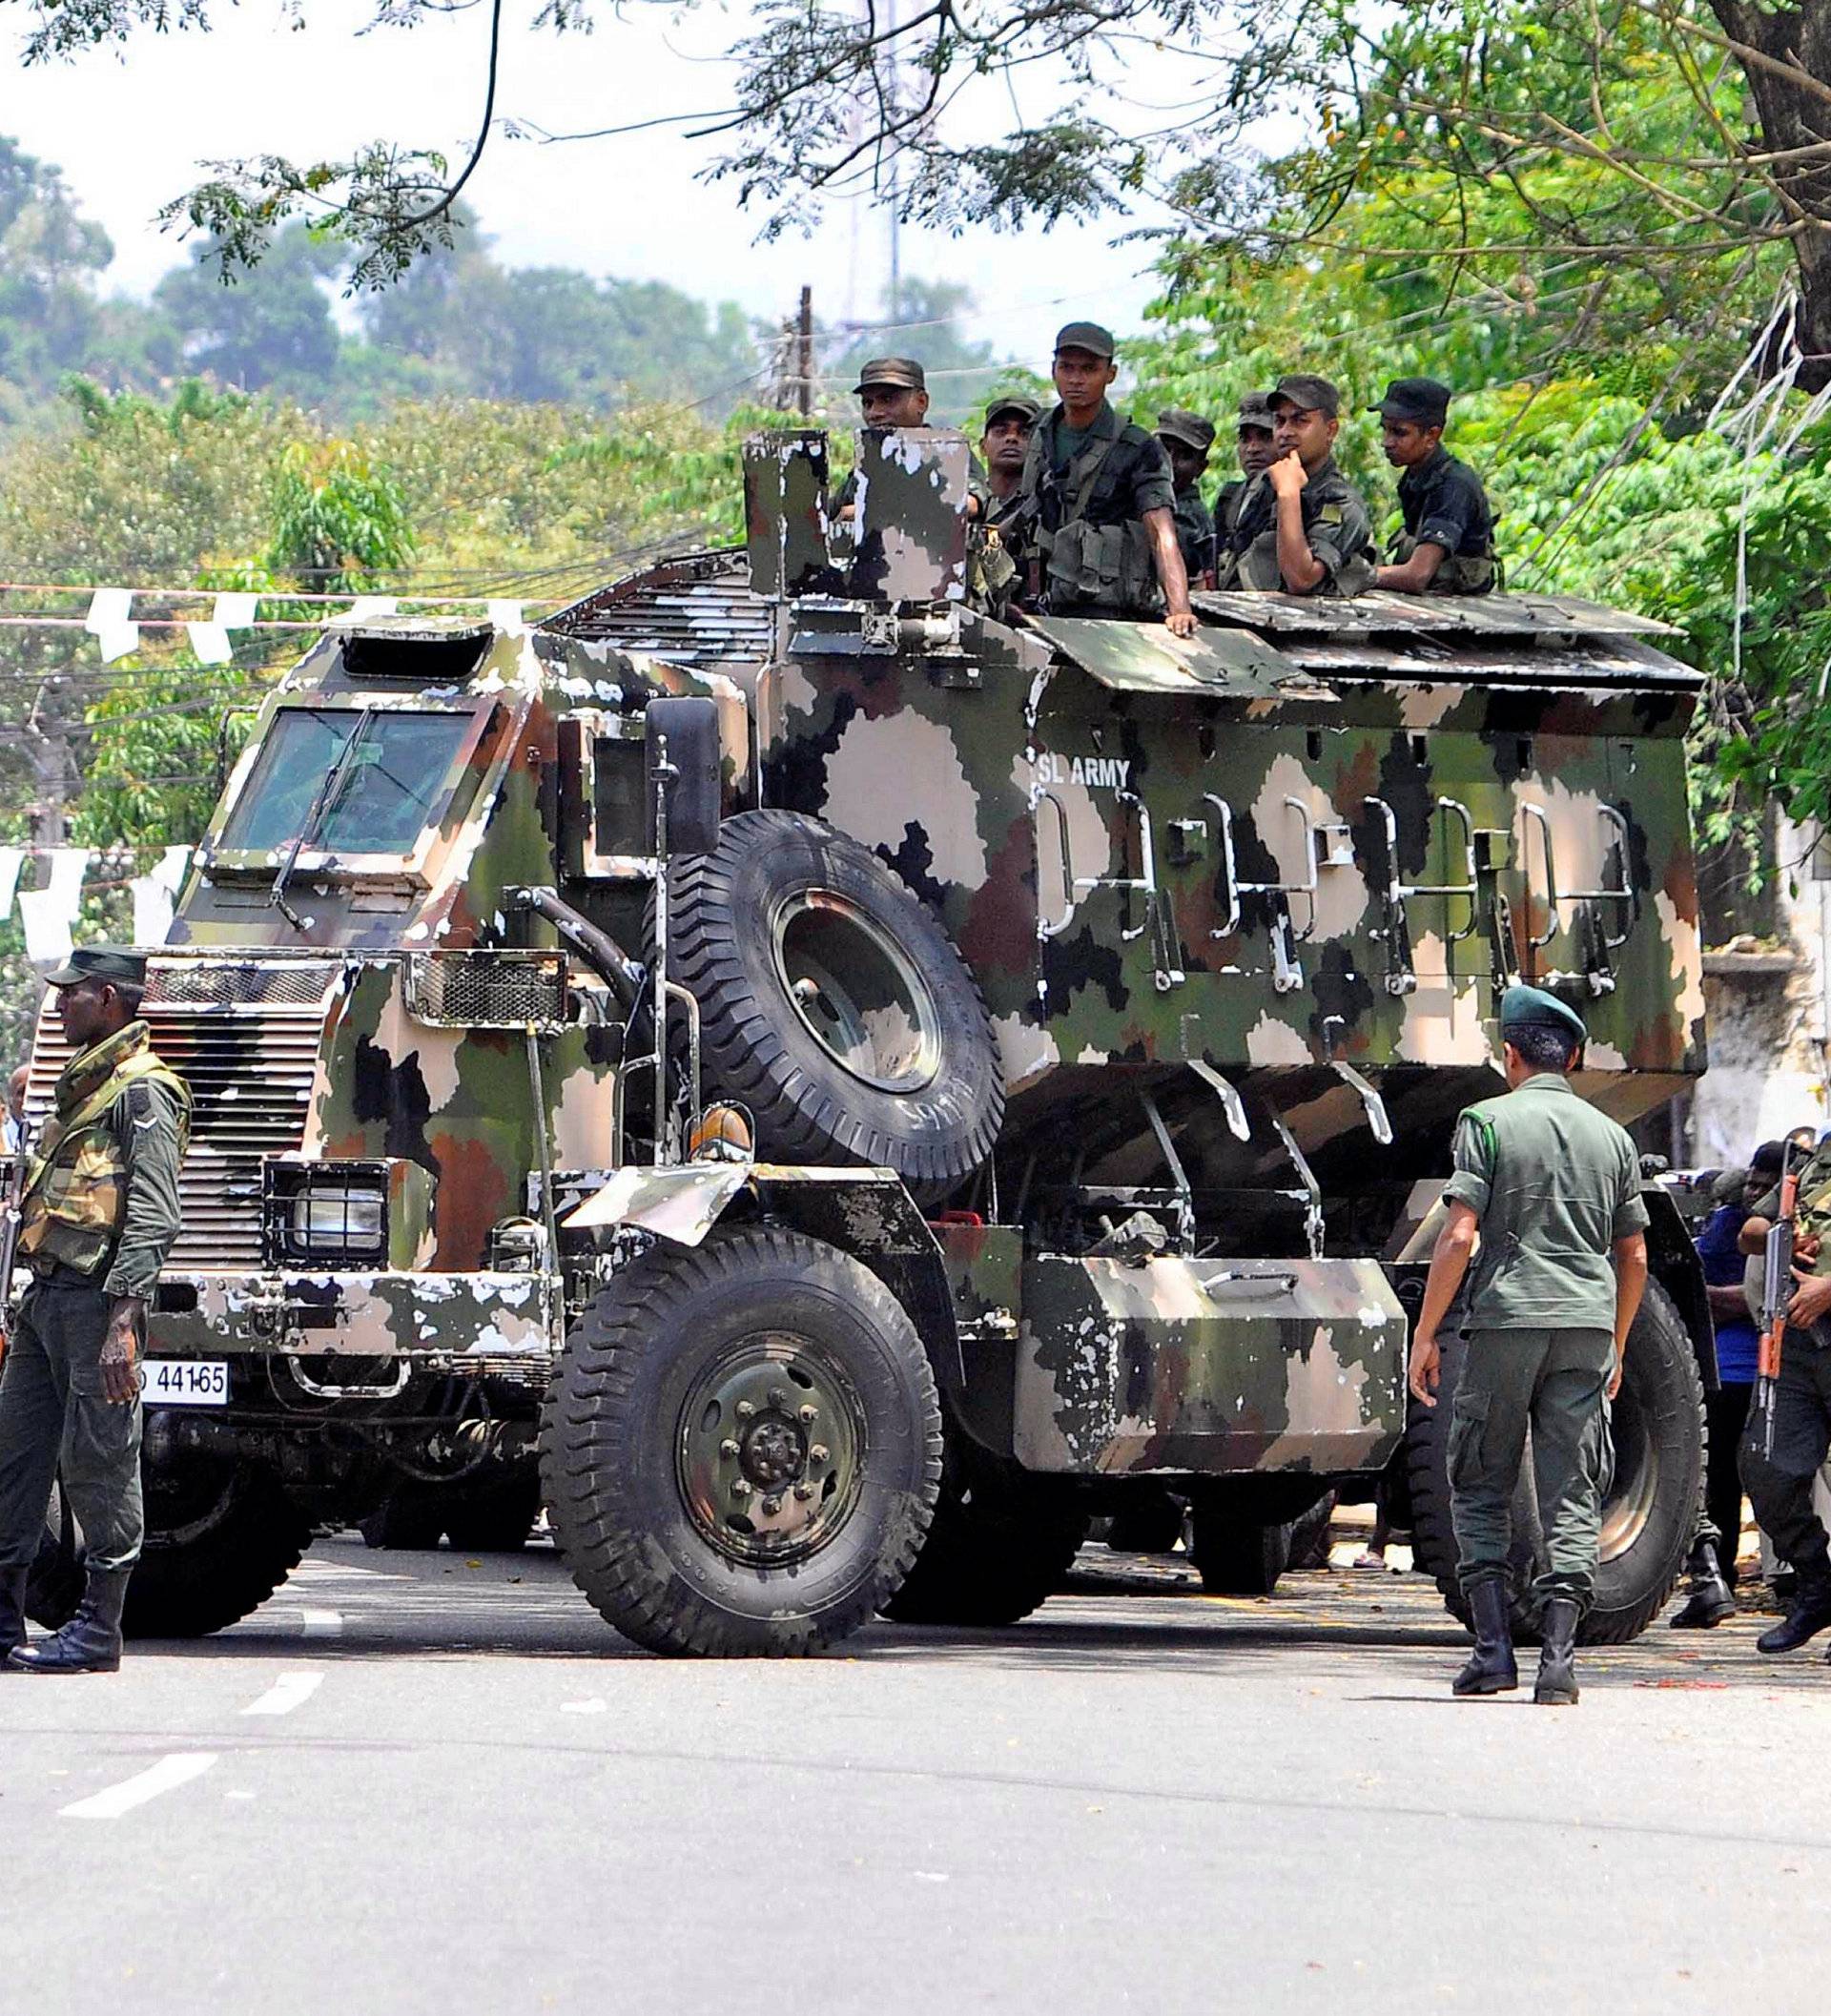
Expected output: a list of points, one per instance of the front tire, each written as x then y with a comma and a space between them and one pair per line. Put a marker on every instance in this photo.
220, 1537
741, 1448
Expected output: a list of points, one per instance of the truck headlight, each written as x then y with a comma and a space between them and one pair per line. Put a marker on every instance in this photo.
328, 1213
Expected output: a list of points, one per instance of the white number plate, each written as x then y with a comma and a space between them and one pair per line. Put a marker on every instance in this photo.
184, 1381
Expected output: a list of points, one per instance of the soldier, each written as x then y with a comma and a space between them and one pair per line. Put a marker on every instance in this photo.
1554, 1189
1780, 1478
100, 1212
1253, 446
1304, 529
1448, 545
893, 392
999, 557
1186, 438
1100, 504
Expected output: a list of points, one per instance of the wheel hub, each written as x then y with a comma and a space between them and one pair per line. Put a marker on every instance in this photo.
770, 1449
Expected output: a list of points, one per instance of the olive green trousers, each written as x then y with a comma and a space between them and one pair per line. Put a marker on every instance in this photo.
1551, 1383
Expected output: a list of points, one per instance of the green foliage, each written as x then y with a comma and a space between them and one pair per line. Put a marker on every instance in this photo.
338, 517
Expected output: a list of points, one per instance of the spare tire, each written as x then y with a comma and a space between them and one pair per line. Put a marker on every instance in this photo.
833, 1005
1648, 1512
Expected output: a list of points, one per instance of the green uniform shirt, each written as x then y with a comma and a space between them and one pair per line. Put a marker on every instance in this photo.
1812, 1215
1336, 524
1194, 532
1554, 1183
147, 1122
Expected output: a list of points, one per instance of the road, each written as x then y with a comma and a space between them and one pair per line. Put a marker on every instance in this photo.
434, 1783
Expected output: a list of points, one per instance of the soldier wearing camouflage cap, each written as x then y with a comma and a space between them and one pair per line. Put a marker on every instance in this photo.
1253, 450
1448, 545
99, 1214
1550, 1189
1186, 438
1100, 502
1305, 529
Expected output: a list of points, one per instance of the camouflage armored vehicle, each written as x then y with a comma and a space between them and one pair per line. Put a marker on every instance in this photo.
860, 1089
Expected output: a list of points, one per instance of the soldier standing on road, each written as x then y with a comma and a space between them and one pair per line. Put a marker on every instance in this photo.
1186, 438
1253, 446
1304, 529
1780, 1478
1100, 504
1448, 545
100, 1212
1553, 1188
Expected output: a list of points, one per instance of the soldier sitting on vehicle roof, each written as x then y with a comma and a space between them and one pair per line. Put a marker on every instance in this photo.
997, 561
1302, 526
1253, 447
1100, 502
1448, 545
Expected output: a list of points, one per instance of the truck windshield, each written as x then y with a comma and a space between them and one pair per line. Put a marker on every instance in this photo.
396, 785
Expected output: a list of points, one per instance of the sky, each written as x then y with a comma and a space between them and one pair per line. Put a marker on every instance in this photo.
127, 130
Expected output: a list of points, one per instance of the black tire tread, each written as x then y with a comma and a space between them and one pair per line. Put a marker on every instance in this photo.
228, 1573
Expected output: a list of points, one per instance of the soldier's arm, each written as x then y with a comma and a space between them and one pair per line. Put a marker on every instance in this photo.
1752, 1239
148, 1118
1303, 573
1450, 1259
1172, 576
1411, 577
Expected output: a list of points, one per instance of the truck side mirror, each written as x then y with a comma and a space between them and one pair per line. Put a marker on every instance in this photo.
684, 771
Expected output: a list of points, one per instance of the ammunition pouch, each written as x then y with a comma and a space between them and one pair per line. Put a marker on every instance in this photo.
1107, 568
1460, 574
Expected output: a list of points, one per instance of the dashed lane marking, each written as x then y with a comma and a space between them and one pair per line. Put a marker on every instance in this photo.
286, 1694
166, 1776
321, 1623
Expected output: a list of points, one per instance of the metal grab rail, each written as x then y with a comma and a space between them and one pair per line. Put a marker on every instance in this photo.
1167, 966
1536, 815
1287, 973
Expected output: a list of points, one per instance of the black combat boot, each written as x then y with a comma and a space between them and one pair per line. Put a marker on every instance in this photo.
1556, 1684
91, 1642
1810, 1613
13, 1609
1709, 1600
1491, 1667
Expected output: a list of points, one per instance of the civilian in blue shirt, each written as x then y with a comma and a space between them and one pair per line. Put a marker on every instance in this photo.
1713, 1555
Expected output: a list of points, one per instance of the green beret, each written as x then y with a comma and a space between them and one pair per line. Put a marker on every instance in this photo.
100, 962
1526, 1007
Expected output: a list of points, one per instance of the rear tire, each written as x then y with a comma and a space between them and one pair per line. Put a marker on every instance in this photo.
1648, 1514
220, 1538
991, 1556
1237, 1557
799, 1361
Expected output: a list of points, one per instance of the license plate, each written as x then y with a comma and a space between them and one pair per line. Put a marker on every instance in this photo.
184, 1381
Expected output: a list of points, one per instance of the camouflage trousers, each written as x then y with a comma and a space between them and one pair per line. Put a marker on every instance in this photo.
1553, 1382
54, 1418
1780, 1483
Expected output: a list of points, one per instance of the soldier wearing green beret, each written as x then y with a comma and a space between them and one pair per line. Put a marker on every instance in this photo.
1100, 502
1544, 1216
99, 1214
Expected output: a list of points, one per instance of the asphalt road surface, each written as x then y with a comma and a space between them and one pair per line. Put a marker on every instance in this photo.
437, 1782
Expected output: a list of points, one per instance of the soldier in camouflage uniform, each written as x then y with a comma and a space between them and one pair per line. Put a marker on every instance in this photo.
1100, 502
100, 1212
1253, 446
1553, 1188
1448, 545
1186, 438
1780, 1478
1304, 529
1003, 448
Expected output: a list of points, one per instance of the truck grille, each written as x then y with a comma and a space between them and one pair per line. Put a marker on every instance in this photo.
249, 1068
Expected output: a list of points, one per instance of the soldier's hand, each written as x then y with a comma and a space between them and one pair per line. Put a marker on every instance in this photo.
1287, 475
1614, 1386
1805, 1250
1811, 1299
1427, 1363
121, 1351
1180, 623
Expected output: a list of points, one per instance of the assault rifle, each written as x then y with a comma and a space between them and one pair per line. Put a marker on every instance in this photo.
1777, 1291
11, 1218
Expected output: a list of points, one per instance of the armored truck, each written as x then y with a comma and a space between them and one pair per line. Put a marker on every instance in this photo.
829, 1090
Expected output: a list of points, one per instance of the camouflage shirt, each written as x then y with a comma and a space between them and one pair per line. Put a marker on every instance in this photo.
1554, 1183
1194, 532
1812, 1215
1336, 524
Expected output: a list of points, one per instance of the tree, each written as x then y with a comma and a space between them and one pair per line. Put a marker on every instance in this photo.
270, 326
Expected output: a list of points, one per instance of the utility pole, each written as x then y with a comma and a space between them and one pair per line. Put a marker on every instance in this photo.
804, 354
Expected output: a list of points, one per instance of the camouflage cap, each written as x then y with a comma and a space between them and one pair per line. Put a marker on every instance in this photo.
1532, 1007
1424, 402
1255, 410
100, 962
1091, 337
1026, 410
903, 371
1308, 393
1179, 424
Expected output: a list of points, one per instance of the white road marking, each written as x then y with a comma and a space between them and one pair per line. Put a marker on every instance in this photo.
286, 1694
166, 1776
322, 1623
596, 1705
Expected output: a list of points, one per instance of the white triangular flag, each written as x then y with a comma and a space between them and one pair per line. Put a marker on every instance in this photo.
48, 912
366, 607
235, 612
209, 642
111, 623
506, 616
153, 908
